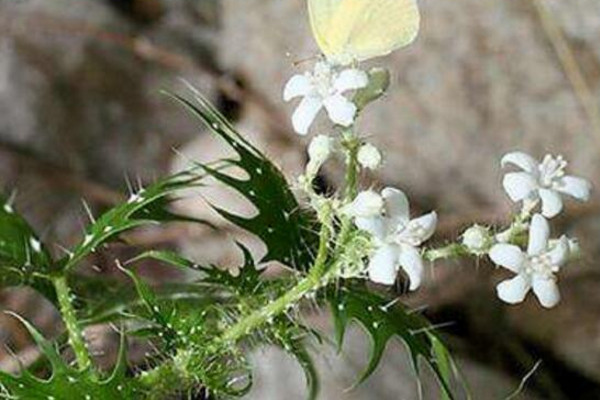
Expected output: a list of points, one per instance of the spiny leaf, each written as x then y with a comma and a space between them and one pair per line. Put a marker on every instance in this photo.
286, 230
297, 349
382, 321
66, 382
158, 314
147, 206
244, 283
105, 300
290, 336
248, 289
24, 260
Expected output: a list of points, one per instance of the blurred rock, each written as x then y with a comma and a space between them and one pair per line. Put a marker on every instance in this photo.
78, 91
278, 376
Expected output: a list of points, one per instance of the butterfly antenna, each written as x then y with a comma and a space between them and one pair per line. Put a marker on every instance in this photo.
304, 60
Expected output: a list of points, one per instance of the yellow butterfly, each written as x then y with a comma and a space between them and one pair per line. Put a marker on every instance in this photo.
357, 30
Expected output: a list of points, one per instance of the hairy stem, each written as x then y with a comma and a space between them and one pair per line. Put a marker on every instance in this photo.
351, 144
312, 282
69, 317
321, 273
451, 251
317, 276
173, 371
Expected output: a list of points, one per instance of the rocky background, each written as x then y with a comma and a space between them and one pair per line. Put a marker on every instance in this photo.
81, 115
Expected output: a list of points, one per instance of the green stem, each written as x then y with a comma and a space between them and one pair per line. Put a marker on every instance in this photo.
351, 143
451, 251
69, 317
317, 276
169, 373
321, 273
313, 281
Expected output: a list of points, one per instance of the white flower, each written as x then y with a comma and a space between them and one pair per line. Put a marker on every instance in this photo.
369, 156
324, 87
535, 269
396, 238
319, 150
477, 239
545, 181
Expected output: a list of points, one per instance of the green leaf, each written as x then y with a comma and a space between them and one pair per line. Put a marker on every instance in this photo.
159, 314
66, 382
290, 336
382, 321
246, 283
106, 300
24, 259
287, 231
147, 206
249, 292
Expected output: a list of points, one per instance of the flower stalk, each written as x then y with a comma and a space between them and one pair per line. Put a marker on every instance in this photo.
76, 337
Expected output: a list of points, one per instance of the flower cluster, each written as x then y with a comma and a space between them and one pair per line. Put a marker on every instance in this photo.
396, 237
538, 185
395, 240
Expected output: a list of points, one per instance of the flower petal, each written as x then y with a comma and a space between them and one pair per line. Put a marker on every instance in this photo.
306, 113
341, 111
546, 290
508, 256
539, 232
521, 160
396, 204
419, 229
513, 290
383, 266
576, 187
519, 185
412, 263
552, 204
298, 85
351, 79
376, 226
559, 254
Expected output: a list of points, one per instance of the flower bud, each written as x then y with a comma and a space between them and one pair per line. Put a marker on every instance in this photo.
369, 157
574, 247
319, 150
477, 239
367, 204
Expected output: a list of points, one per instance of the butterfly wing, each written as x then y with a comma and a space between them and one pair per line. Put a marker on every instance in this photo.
321, 14
382, 27
356, 30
